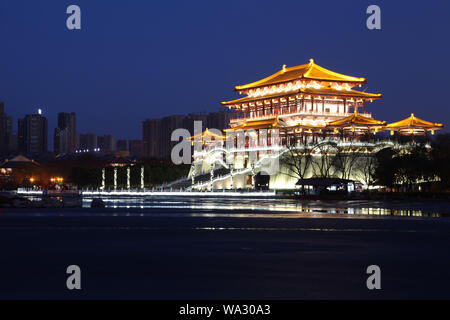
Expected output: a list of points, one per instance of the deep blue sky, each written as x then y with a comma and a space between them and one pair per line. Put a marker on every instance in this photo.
140, 59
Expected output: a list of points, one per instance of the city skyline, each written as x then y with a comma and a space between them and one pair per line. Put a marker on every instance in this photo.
153, 74
65, 138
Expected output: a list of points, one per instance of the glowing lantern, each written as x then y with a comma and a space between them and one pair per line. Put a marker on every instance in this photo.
392, 132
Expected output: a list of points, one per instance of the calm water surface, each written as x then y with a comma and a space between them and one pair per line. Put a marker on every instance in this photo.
291, 207
217, 248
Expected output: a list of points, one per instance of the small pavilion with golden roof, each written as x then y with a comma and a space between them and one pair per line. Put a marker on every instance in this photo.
208, 137
357, 124
413, 126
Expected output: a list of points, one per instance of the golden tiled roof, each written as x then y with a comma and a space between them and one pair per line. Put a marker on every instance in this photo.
414, 122
207, 133
321, 92
259, 124
309, 71
356, 119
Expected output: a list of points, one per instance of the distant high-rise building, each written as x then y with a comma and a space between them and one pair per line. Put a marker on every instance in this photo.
220, 120
10, 136
3, 138
65, 136
136, 148
121, 145
7, 144
156, 133
88, 142
106, 143
151, 136
61, 139
33, 134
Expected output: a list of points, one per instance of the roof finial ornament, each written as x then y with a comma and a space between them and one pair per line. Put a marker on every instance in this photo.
284, 68
412, 115
311, 61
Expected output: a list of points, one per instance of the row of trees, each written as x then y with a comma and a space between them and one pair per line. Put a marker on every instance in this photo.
377, 164
416, 165
328, 159
153, 176
85, 171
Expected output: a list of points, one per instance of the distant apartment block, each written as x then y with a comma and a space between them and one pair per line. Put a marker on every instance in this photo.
122, 145
136, 148
106, 143
88, 142
33, 134
65, 136
8, 140
156, 133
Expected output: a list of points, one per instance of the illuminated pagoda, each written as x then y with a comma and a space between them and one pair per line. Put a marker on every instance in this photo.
300, 107
304, 97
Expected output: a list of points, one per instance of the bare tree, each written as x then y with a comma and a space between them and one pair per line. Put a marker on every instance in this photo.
346, 159
368, 168
322, 164
297, 160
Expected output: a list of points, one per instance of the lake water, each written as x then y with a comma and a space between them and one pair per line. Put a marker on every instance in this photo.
312, 208
206, 248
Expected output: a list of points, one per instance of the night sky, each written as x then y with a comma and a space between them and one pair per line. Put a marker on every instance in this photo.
141, 59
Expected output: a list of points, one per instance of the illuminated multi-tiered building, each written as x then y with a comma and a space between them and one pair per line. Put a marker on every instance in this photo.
304, 105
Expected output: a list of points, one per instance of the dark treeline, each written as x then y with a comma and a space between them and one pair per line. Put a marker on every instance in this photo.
85, 171
418, 165
154, 175
156, 172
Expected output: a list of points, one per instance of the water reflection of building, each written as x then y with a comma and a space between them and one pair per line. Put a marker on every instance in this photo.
306, 106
